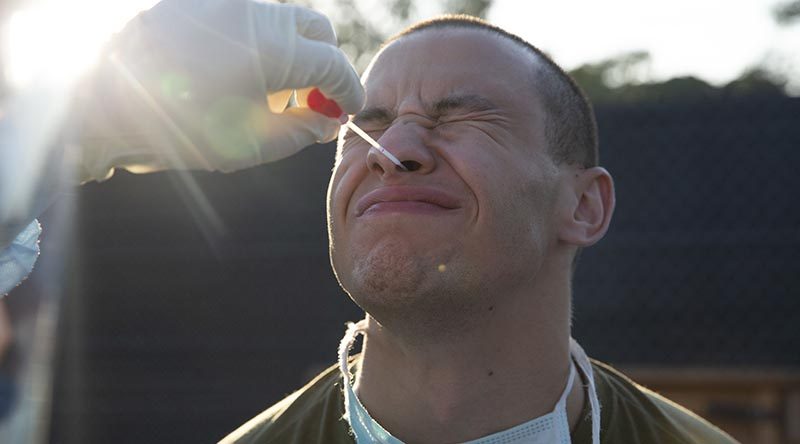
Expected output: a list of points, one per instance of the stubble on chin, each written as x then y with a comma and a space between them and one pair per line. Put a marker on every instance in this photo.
387, 269
408, 292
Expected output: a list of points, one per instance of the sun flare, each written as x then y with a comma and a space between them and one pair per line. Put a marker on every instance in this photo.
53, 42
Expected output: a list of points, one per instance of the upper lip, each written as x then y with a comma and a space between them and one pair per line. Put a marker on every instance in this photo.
406, 194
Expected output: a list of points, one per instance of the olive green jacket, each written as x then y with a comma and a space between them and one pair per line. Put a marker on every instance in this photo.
629, 414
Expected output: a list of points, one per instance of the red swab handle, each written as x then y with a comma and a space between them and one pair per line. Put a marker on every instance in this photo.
325, 106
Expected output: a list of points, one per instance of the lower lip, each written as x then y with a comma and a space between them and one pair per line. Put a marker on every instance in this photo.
409, 207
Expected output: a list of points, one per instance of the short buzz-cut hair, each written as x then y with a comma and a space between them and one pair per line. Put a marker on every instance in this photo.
570, 126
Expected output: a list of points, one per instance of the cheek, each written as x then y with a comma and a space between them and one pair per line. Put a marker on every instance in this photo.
348, 172
514, 202
340, 192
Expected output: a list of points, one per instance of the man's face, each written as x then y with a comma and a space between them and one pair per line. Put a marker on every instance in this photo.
474, 214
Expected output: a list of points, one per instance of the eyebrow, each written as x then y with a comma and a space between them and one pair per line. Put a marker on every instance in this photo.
375, 114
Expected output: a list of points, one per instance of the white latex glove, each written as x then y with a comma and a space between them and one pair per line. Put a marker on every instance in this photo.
184, 85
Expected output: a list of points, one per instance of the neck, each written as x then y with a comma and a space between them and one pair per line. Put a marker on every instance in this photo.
514, 365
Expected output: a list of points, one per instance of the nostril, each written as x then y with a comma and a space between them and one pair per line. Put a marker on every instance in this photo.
411, 165
377, 167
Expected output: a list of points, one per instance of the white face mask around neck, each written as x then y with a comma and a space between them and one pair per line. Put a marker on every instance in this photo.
551, 428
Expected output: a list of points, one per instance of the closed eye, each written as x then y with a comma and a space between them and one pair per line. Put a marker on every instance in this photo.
480, 118
466, 108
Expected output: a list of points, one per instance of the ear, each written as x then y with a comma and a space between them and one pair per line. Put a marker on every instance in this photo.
589, 207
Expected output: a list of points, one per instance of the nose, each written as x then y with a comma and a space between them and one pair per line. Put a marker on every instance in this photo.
407, 142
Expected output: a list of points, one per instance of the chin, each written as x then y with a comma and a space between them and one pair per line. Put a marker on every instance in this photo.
386, 278
406, 291
387, 268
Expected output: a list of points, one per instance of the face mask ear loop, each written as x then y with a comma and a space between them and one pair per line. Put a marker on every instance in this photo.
353, 330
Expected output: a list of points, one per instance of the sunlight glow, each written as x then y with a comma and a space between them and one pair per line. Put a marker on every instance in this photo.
53, 42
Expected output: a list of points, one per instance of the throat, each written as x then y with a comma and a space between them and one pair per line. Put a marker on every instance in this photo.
444, 395
447, 424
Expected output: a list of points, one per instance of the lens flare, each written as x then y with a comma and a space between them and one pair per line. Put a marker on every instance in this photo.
53, 42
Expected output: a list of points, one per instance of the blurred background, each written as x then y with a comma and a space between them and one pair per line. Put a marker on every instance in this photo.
153, 317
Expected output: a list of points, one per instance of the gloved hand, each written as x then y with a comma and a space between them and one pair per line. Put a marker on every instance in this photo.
185, 84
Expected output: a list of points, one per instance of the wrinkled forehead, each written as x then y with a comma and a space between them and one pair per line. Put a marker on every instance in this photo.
438, 62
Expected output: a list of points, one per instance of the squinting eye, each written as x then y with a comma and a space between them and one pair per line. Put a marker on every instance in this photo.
449, 122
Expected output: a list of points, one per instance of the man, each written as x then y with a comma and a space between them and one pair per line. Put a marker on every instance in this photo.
463, 260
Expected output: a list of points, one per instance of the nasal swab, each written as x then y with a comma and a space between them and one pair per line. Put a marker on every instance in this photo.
321, 104
375, 144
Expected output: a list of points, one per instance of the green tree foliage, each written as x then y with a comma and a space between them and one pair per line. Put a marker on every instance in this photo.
759, 81
359, 37
361, 28
475, 8
786, 13
617, 80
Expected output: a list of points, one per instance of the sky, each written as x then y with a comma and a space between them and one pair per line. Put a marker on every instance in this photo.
715, 40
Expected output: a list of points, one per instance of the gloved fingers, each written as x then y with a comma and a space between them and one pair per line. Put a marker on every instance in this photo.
313, 25
279, 100
296, 129
326, 67
315, 126
301, 96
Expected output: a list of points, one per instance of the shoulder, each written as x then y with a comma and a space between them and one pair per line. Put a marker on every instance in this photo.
313, 414
632, 413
